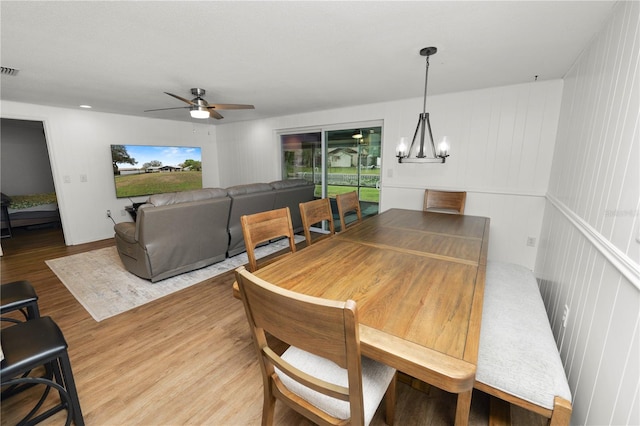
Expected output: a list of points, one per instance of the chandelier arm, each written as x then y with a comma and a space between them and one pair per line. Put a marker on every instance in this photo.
415, 134
423, 116
433, 146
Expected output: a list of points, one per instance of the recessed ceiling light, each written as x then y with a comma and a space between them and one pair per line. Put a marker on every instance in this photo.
86, 106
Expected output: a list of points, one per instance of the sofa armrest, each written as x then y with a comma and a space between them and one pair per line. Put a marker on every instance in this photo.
126, 231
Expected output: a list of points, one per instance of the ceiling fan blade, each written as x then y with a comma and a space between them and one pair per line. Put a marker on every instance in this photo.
215, 114
164, 109
230, 106
181, 98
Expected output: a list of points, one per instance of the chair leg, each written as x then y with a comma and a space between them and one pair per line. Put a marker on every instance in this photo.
33, 311
53, 371
390, 401
70, 386
269, 406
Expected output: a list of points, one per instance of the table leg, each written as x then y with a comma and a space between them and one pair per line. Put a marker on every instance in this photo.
463, 408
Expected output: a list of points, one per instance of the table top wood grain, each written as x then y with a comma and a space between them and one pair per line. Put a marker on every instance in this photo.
418, 281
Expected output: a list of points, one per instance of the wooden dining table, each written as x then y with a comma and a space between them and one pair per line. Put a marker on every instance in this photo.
418, 281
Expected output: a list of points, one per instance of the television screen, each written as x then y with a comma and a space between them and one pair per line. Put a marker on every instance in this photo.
147, 169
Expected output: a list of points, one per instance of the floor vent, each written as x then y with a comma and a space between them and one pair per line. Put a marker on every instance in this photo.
9, 71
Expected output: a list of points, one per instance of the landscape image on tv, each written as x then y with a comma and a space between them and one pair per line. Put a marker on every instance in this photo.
149, 169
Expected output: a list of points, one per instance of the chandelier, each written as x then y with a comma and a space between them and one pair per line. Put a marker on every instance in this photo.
422, 153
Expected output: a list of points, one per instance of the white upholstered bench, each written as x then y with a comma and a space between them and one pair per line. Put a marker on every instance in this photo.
518, 360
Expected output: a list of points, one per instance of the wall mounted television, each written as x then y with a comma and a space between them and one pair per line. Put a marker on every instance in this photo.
141, 170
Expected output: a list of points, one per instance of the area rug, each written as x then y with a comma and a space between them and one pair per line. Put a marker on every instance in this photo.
99, 281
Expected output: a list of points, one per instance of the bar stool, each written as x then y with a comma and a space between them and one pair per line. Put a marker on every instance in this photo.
21, 296
29, 345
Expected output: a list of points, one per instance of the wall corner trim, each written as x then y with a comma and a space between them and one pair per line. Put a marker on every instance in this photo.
623, 263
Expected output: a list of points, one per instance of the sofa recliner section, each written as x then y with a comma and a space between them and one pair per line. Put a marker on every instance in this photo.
175, 233
246, 199
259, 197
290, 193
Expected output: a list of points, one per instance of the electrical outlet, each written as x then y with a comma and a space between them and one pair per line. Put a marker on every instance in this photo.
565, 316
108, 214
531, 241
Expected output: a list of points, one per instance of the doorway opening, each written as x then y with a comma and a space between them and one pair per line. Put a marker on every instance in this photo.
29, 202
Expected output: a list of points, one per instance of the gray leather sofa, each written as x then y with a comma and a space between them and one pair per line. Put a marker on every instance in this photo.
182, 231
246, 199
290, 193
175, 233
259, 197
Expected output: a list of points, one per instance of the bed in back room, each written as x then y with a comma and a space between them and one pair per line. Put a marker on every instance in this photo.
31, 210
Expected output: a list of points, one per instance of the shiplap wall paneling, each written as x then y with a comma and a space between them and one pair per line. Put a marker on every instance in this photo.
589, 256
599, 345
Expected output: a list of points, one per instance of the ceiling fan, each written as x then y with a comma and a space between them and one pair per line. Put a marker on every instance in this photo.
199, 108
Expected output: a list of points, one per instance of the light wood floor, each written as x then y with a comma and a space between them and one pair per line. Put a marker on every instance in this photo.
185, 359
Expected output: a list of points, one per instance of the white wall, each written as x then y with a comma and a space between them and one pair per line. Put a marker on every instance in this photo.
590, 254
79, 145
501, 138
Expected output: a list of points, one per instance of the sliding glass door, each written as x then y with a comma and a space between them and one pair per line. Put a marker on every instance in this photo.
302, 158
336, 160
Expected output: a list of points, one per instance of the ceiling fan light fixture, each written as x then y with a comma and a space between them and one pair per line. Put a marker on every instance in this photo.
199, 112
357, 134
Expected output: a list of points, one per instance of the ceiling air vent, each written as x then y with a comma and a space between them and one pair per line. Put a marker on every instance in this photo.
9, 71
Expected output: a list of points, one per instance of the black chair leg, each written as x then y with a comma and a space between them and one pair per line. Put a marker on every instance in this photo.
70, 386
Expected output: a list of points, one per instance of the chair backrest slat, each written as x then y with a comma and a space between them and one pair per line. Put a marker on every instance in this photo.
263, 227
444, 201
313, 212
347, 203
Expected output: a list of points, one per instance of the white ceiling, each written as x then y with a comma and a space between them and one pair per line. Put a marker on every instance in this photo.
283, 57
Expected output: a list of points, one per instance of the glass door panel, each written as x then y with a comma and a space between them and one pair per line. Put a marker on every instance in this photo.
353, 164
302, 158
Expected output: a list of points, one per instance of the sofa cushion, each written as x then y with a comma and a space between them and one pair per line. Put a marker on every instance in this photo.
186, 196
250, 188
289, 183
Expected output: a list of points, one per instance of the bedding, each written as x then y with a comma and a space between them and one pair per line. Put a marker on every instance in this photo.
34, 209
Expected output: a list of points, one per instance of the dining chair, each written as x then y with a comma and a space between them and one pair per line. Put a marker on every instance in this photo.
444, 201
259, 228
314, 212
348, 203
322, 374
